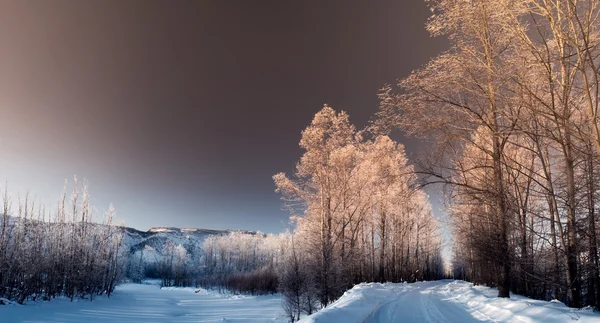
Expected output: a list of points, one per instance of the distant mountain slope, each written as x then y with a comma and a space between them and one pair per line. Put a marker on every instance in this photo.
149, 250
157, 237
149, 244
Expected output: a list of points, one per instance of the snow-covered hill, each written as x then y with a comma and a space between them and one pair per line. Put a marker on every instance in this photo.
149, 244
442, 301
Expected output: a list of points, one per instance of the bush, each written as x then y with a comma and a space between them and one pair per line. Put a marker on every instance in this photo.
259, 282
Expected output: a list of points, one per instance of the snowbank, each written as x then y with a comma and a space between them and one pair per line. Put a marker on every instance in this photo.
442, 301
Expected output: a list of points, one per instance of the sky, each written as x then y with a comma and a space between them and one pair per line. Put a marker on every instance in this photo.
180, 112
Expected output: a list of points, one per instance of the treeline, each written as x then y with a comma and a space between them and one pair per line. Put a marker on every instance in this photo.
359, 216
175, 265
512, 108
62, 253
176, 268
243, 262
238, 262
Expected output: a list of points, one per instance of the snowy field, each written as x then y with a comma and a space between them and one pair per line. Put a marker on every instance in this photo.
442, 301
149, 304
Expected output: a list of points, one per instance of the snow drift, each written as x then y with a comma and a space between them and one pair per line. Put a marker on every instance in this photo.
442, 301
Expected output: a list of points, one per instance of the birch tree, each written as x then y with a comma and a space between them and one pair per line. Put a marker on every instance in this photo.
358, 213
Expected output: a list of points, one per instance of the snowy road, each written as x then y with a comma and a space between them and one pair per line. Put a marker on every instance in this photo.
148, 304
420, 305
441, 302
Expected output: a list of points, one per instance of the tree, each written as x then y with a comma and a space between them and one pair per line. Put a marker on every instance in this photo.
46, 255
512, 110
358, 213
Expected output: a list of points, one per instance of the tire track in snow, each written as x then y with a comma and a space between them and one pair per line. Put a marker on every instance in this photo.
440, 302
422, 304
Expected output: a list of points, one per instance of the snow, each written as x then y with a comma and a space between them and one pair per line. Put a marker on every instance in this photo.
4, 301
159, 229
442, 301
151, 304
153, 241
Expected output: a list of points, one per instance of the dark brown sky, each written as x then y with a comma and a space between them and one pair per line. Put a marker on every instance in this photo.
180, 112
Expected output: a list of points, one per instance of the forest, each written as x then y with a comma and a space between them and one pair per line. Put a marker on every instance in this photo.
512, 111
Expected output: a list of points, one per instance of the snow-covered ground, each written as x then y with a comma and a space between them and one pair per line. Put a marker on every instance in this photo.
150, 304
442, 301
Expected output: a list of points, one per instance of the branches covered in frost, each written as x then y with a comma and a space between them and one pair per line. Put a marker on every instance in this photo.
243, 262
358, 214
512, 110
63, 253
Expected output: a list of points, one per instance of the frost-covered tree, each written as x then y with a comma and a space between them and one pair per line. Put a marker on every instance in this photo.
460, 91
512, 110
323, 180
358, 213
296, 287
243, 262
65, 253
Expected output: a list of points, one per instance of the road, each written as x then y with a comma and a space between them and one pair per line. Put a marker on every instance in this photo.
444, 301
426, 302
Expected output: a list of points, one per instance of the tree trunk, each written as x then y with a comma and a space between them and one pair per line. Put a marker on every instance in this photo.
573, 281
